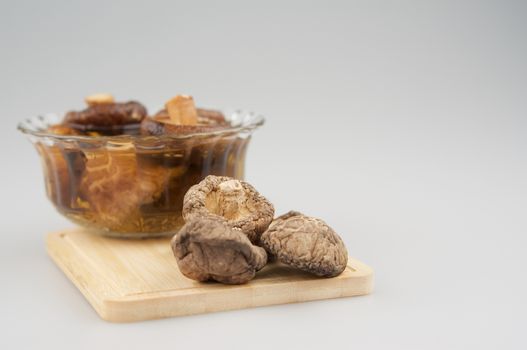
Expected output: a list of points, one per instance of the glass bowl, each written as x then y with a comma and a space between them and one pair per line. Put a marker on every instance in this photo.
130, 185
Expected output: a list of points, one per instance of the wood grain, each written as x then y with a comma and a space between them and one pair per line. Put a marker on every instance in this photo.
135, 280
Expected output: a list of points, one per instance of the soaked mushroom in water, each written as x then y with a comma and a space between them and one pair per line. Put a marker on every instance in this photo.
306, 243
163, 124
124, 173
233, 200
209, 249
107, 117
116, 187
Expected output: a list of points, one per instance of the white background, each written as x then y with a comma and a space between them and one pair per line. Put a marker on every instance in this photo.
402, 124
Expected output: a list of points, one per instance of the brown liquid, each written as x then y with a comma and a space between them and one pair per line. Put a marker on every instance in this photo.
135, 190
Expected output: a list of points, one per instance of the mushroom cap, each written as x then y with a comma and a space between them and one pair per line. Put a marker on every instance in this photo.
306, 243
106, 115
161, 124
235, 201
208, 249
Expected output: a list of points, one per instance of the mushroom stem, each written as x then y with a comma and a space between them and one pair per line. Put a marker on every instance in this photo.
99, 99
181, 110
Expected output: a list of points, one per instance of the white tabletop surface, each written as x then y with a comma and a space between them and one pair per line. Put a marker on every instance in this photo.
402, 124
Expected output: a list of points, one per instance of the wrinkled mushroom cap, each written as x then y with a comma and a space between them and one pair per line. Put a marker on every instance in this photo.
161, 124
208, 249
234, 201
107, 114
306, 243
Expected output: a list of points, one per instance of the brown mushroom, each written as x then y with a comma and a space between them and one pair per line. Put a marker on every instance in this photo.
161, 126
161, 123
209, 249
235, 201
107, 118
306, 243
211, 116
204, 116
116, 187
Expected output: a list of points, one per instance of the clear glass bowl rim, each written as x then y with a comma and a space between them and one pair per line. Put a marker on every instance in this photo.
249, 122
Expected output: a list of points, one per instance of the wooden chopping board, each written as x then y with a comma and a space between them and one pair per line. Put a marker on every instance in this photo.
135, 280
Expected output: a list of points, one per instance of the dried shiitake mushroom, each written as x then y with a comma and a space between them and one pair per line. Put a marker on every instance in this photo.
211, 117
306, 243
162, 124
102, 113
209, 249
116, 187
232, 200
